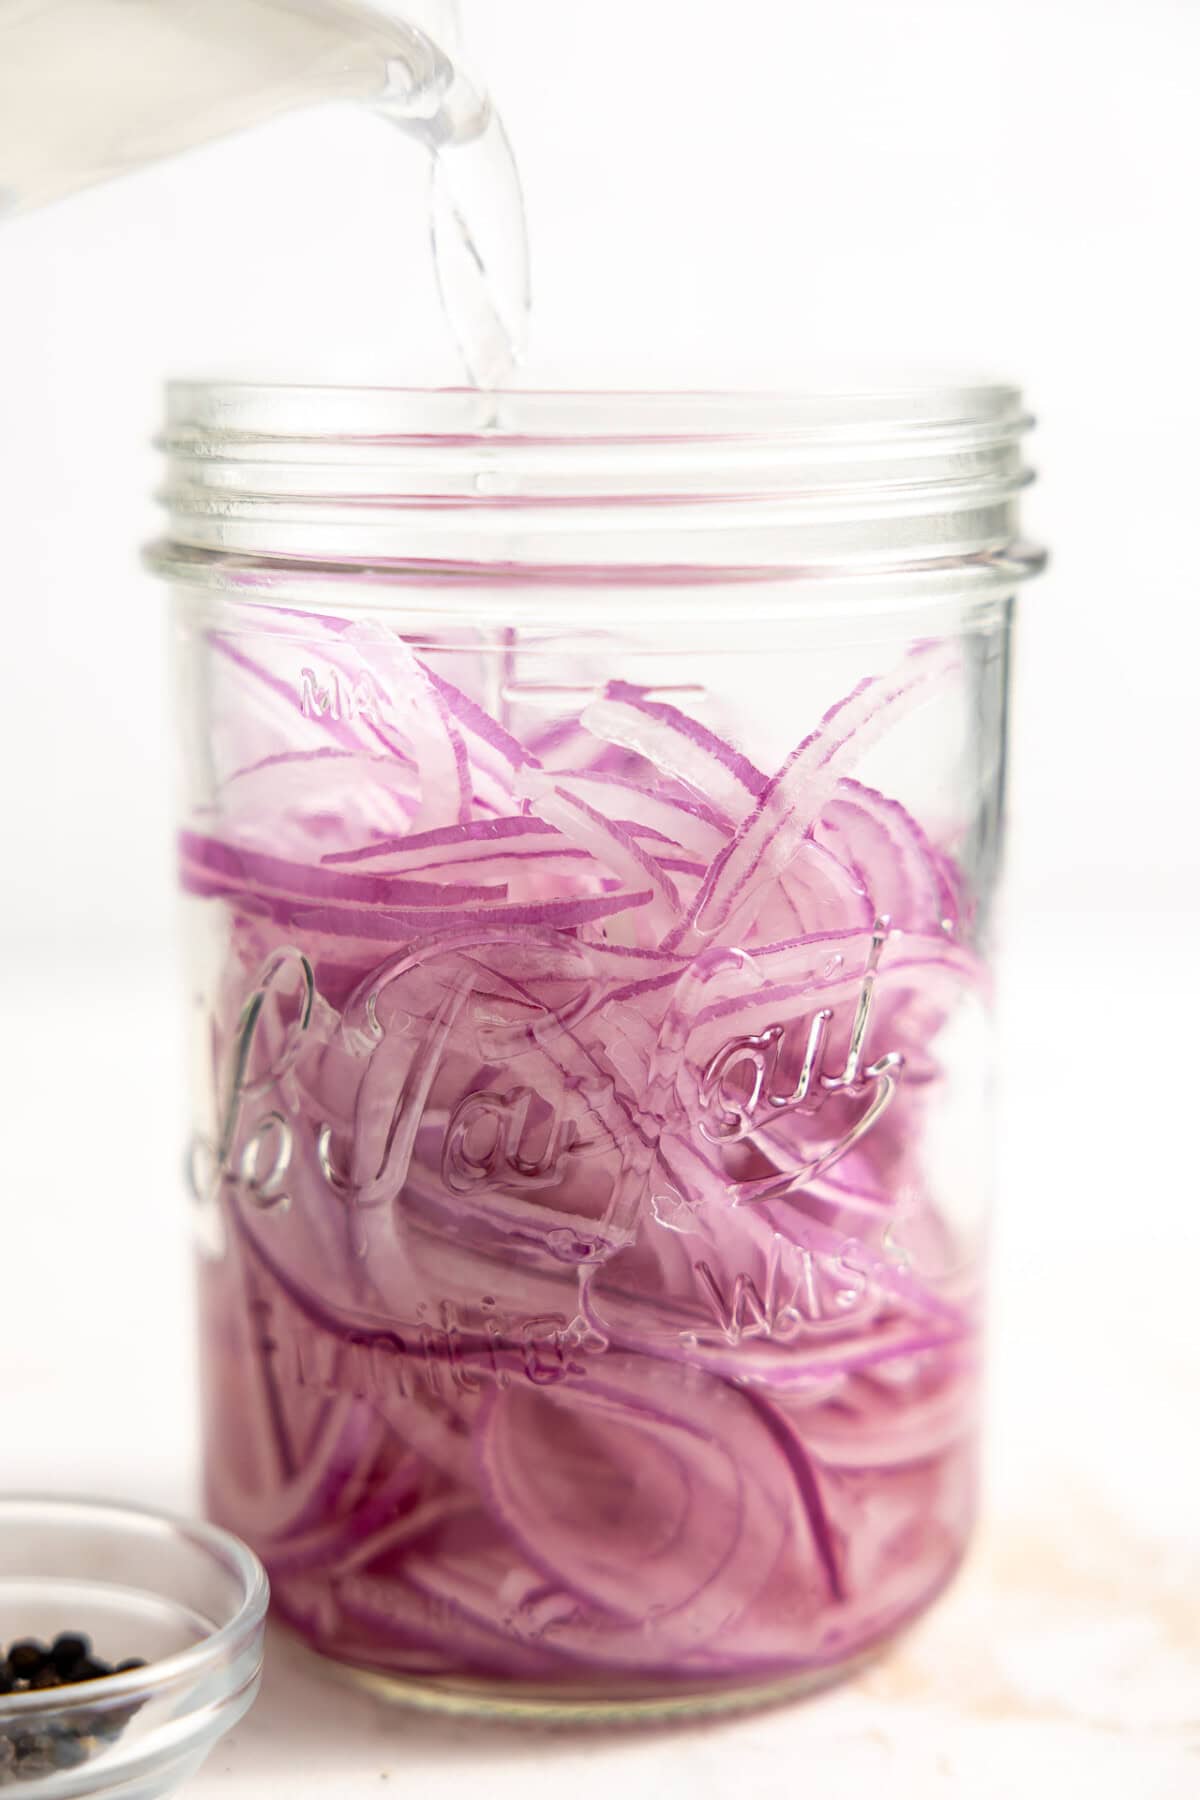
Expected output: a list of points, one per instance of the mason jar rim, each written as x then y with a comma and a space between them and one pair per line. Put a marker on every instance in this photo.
544, 484
227, 412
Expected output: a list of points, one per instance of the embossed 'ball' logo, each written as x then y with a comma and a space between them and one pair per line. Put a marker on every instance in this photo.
767, 1058
422, 1182
249, 1152
457, 1090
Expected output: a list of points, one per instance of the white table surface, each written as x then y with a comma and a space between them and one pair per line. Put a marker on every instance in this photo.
1067, 1657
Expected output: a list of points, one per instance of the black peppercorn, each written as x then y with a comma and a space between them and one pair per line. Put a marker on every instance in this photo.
69, 1648
89, 1668
66, 1742
27, 1658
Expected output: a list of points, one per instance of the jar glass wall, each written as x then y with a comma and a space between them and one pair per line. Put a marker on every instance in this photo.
591, 818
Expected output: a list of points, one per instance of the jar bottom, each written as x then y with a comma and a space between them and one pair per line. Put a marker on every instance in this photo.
518, 1703
611, 1703
607, 1700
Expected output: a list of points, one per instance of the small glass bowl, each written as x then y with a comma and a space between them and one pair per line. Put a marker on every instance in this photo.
188, 1598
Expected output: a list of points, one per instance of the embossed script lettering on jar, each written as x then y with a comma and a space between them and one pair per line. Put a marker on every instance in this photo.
768, 1111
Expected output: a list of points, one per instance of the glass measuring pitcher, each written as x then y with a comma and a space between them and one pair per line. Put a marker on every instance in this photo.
90, 89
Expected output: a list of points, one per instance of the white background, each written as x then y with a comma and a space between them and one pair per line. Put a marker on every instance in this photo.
716, 192
755, 191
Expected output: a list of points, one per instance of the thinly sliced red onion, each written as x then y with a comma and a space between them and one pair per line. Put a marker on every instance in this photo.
669, 740
390, 1613
891, 857
691, 824
251, 871
483, 728
603, 839
419, 850
417, 710
327, 923
574, 1332
291, 802
625, 1484
769, 836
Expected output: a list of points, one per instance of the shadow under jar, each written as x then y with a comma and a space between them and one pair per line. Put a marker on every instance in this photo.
591, 818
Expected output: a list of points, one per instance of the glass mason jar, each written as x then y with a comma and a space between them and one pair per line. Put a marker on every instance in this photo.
591, 818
